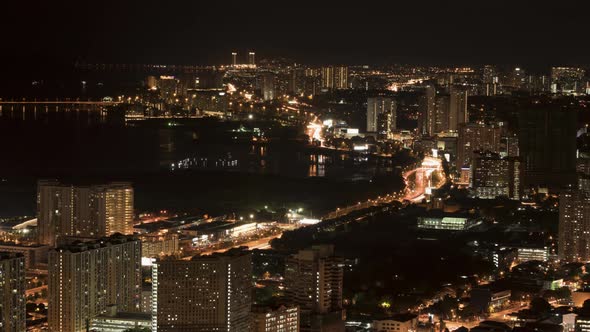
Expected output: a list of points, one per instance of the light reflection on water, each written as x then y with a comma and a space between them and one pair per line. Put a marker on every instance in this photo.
66, 138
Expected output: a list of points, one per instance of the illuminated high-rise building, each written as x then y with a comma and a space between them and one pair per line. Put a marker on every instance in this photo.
509, 145
441, 113
114, 205
83, 211
512, 78
537, 83
490, 74
490, 81
341, 77
234, 58
313, 281
297, 81
151, 82
87, 277
457, 108
334, 77
568, 80
547, 145
381, 115
252, 58
427, 119
168, 87
476, 137
328, 77
206, 293
494, 176
312, 81
55, 211
268, 86
574, 226
13, 316
574, 216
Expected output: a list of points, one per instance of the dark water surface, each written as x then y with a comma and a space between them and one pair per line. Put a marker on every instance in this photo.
197, 164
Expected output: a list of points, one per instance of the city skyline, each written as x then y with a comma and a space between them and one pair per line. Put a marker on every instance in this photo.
295, 166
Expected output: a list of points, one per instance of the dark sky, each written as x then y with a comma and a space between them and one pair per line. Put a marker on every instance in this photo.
320, 31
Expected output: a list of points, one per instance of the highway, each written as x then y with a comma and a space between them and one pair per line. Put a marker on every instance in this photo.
428, 166
263, 243
422, 180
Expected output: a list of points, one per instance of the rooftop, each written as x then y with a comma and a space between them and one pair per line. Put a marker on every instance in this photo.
81, 246
401, 317
128, 316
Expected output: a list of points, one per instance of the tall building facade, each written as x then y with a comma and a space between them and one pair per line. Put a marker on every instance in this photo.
458, 113
169, 87
83, 211
509, 145
574, 226
234, 58
207, 293
12, 292
312, 81
547, 145
493, 176
476, 137
490, 81
251, 58
427, 102
537, 84
489, 74
381, 115
268, 88
313, 281
87, 277
441, 112
334, 77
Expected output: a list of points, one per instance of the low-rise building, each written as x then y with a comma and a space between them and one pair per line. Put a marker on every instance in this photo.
526, 254
503, 258
491, 326
219, 230
447, 223
35, 255
284, 318
113, 321
397, 323
158, 245
489, 300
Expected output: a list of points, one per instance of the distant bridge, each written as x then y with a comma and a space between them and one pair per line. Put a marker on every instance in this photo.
60, 102
27, 108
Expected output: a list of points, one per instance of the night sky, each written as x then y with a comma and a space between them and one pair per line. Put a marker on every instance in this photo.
354, 32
